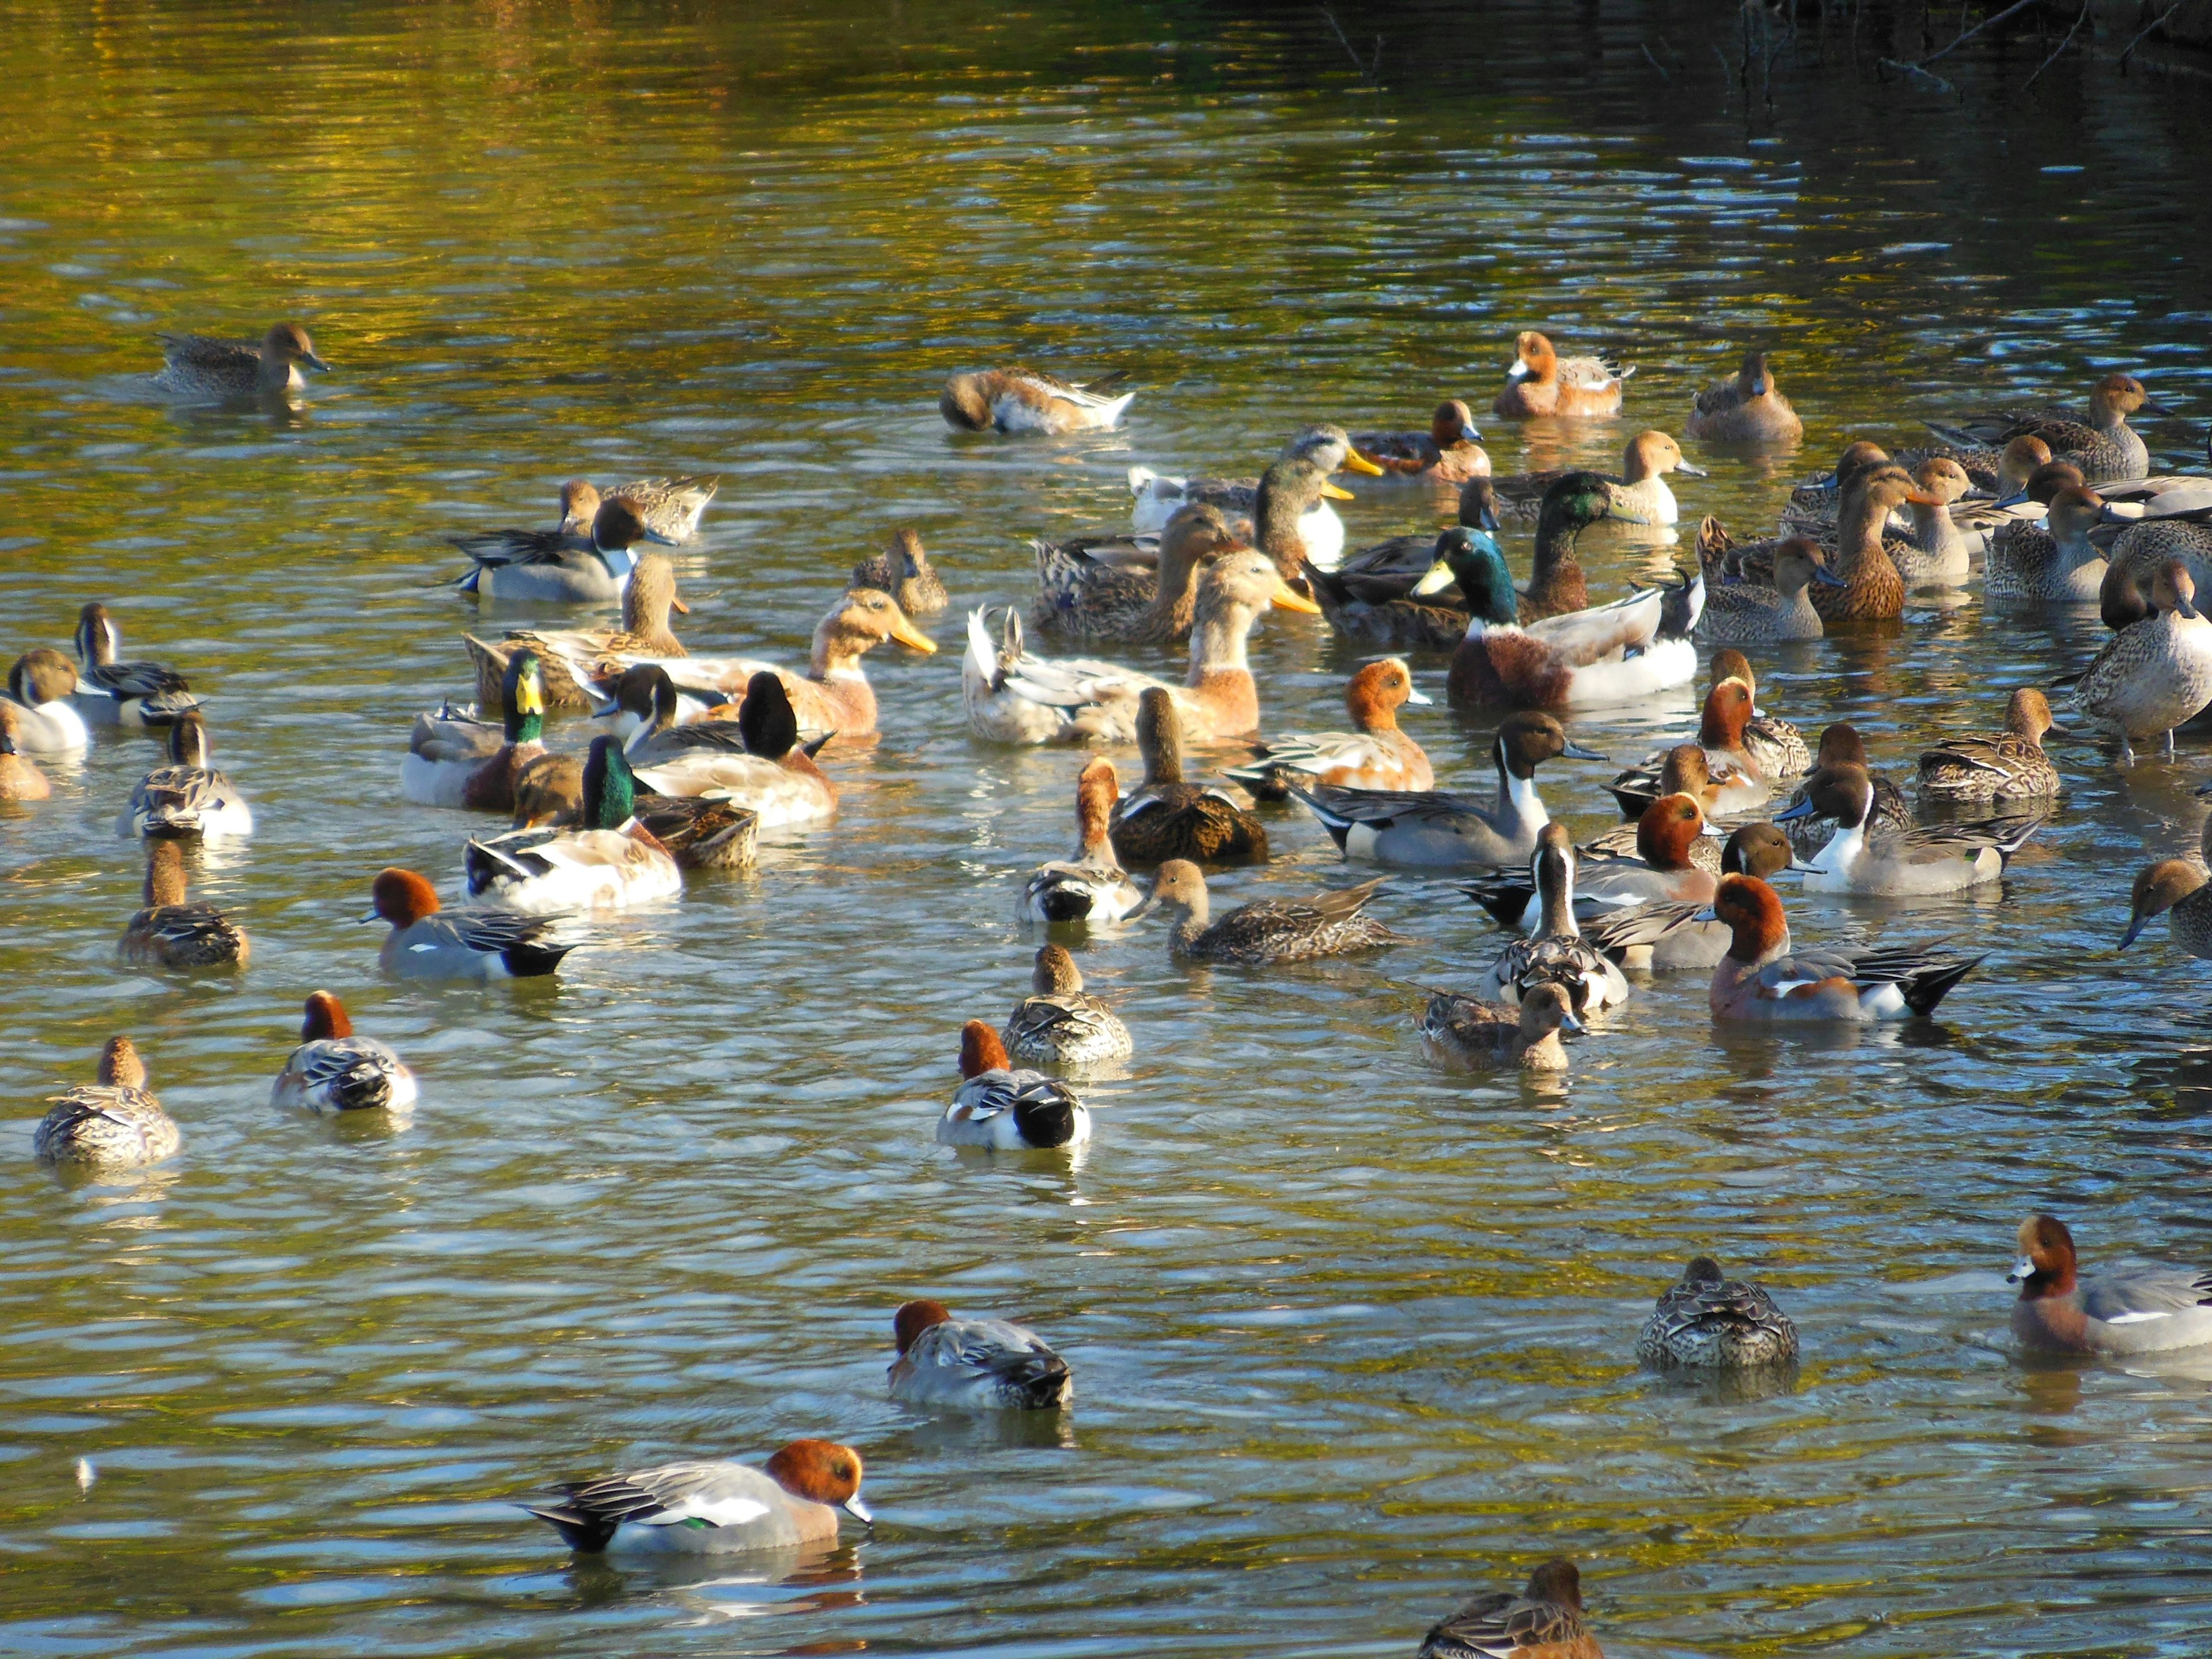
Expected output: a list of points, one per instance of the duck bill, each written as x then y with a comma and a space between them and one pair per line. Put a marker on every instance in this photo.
1286, 597
912, 637
1149, 902
1569, 1022
321, 367
1356, 461
2150, 408
2013, 499
1330, 492
1798, 867
1827, 578
1486, 518
1439, 579
1414, 695
1693, 471
859, 1510
1576, 752
2023, 1271
1803, 809
1520, 371
679, 606
2136, 925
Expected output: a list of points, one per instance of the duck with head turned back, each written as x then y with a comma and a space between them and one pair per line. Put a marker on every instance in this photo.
556, 567
1556, 952
39, 686
983, 1363
902, 570
1375, 755
669, 508
1640, 496
1023, 400
1707, 1322
20, 777
333, 1070
2102, 444
1545, 1621
1092, 886
1268, 931
711, 1509
196, 366
1762, 979
172, 933
1006, 1109
187, 797
2153, 1312
2010, 765
1083, 597
2177, 890
1749, 408
1169, 819
2155, 674
1061, 1024
1328, 447
1465, 1034
114, 1124
1450, 452
1542, 382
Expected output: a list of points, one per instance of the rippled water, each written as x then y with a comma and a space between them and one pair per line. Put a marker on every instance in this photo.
1350, 1339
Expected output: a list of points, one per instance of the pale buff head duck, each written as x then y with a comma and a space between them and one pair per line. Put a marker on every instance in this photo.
1465, 1034
2175, 889
2009, 765
1024, 400
669, 510
1061, 1024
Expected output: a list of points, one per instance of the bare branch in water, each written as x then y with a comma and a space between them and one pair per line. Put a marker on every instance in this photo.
1654, 62
1987, 22
2156, 23
2081, 17
1368, 72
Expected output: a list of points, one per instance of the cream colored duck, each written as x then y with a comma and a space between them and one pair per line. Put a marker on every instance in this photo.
20, 776
571, 657
1321, 532
610, 863
2155, 674
1092, 886
47, 721
833, 698
1640, 496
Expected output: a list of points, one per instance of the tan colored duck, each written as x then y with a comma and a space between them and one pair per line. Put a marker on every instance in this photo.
1168, 818
1640, 496
1023, 400
1936, 555
170, 933
2155, 674
1542, 382
1083, 595
1750, 613
1061, 1024
1465, 1034
2102, 444
2055, 562
20, 776
902, 570
1450, 452
114, 1123
2138, 551
2008, 766
1268, 931
833, 697
1747, 409
2175, 889
570, 657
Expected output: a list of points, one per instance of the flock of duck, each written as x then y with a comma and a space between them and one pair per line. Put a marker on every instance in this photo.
697, 755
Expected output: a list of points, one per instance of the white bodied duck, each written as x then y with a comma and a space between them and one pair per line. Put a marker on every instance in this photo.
110, 692
334, 1071
1092, 886
1004, 1109
46, 720
712, 1508
611, 861
1939, 858
1023, 400
982, 1363
1556, 953
187, 797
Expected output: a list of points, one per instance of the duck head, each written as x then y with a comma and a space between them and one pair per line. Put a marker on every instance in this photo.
914, 1317
2158, 887
1844, 794
981, 1051
864, 619
1753, 914
2118, 396
287, 343
522, 697
1478, 566
1452, 424
121, 1066
1378, 691
1798, 562
1652, 452
1478, 504
610, 793
326, 1020
2047, 1261
579, 507
1055, 973
1756, 849
188, 740
1529, 738
821, 1471
1573, 504
400, 897
1534, 359
1752, 380
1665, 832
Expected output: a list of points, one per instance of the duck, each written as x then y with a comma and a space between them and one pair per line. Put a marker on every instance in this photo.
1939, 858
1659, 937
1283, 508
1092, 886
1328, 447
982, 1364
1640, 496
1762, 979
1814, 505
1542, 382
142, 694
2153, 1312
2054, 562
1084, 597
1268, 931
1776, 747
1661, 871
112, 1123
1439, 829
2104, 445
1168, 818
1749, 408
833, 698
1864, 557
573, 658
1841, 745
2138, 550
1545, 1621
1936, 555
187, 797
1409, 565
1406, 619
429, 943
454, 759
669, 508
1023, 400
1682, 771
611, 862
1061, 1024
1750, 613
712, 1508
1556, 952
1004, 1109
701, 832
334, 1071
196, 366
2009, 765
1572, 503
1450, 452
2174, 889
1374, 754
2155, 674
2010, 500
757, 762
902, 570
1707, 1322
1465, 1034
1735, 784
20, 777
556, 567
172, 933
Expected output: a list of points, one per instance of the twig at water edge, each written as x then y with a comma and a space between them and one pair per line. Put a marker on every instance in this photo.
2081, 17
2157, 23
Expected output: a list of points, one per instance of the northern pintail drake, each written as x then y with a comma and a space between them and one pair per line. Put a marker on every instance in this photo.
1023, 400
112, 693
1937, 858
187, 797
2177, 890
2008, 765
1749, 408
334, 1071
1841, 745
1750, 613
1092, 886
1707, 1322
902, 570
1545, 1621
1658, 937
1268, 931
1394, 609
1450, 452
1661, 871
2152, 675
1556, 953
556, 566
1638, 495
1061, 1024
1735, 782
1168, 818
1465, 1034
669, 508
755, 761
2102, 444
2053, 562
573, 658
1443, 831
712, 1508
1083, 595
20, 776
610, 862
196, 366
1542, 382
2152, 1312
1006, 1109
985, 1364
2010, 499
1328, 447
40, 684
1762, 979
833, 698
1375, 755
454, 759
171, 931
113, 1123
427, 942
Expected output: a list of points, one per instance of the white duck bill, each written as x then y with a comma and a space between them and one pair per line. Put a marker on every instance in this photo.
859, 1509
2023, 1271
1520, 371
1416, 697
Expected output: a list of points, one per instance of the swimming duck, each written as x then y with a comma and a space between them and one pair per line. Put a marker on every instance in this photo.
1640, 496
719, 1509
1084, 597
1328, 447
1708, 1323
427, 943
1284, 508
982, 1364
1681, 772
2010, 499
1660, 872
170, 932
1168, 818
2175, 889
1841, 745
833, 698
1092, 886
902, 570
572, 657
1936, 556
1761, 978
1465, 1034
1813, 506
556, 566
2137, 552
2153, 1312
114, 1123
1450, 452
1556, 952
701, 832
2104, 445
187, 797
112, 693
1656, 937
1406, 618
1863, 558
1609, 654
756, 761
1407, 567
1542, 382
1745, 613
1061, 1024
1023, 400
20, 777
2053, 562
1376, 755
2155, 674
2008, 766
456, 760
1007, 1110
1441, 829
1776, 747
670, 508
334, 1071
1545, 1621
611, 861
195, 366
1735, 784
1747, 409
1268, 931
1939, 858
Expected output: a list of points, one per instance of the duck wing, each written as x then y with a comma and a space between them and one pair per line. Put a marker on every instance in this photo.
1580, 638
202, 350
2140, 1299
588, 1513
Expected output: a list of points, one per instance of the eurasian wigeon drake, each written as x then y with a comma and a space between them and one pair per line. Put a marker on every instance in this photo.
1936, 555
610, 862
333, 1070
2103, 444
1450, 452
1556, 953
560, 566
670, 508
572, 657
1841, 745
1444, 830
197, 367
454, 759
2007, 765
1082, 596
833, 698
1268, 931
1327, 446
1707, 1322
1937, 858
1542, 382
20, 777
1401, 613
902, 570
1375, 755
2152, 675
2153, 1312
1776, 747
112, 693
114, 1122
712, 1508
1661, 871
1749, 408
1006, 1109
1762, 979
1465, 1034
171, 931
1061, 1024
1735, 784
755, 761
187, 798
429, 943
1638, 495
2177, 890
1023, 400
984, 1365
1660, 938
1545, 1621
1168, 818
1682, 772
1092, 886
1748, 613
2054, 560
